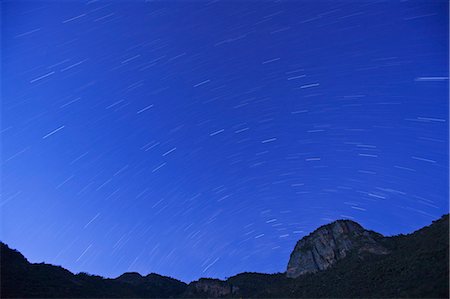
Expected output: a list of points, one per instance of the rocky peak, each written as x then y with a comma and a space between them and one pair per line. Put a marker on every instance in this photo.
330, 243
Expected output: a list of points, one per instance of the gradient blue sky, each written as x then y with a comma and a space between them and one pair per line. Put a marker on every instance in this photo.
204, 138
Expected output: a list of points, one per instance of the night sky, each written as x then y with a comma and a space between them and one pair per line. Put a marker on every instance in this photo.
205, 138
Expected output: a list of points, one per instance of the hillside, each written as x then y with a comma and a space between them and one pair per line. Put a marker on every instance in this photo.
413, 265
19, 278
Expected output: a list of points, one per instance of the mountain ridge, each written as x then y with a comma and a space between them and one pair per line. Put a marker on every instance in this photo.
423, 253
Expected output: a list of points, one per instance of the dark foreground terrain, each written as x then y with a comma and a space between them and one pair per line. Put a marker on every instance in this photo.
340, 259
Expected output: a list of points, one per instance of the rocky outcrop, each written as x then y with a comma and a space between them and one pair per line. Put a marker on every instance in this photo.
330, 243
211, 288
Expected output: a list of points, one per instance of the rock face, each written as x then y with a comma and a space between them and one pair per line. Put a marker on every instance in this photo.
330, 243
211, 288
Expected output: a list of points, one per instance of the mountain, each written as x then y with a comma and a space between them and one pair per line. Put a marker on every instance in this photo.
340, 259
417, 265
329, 244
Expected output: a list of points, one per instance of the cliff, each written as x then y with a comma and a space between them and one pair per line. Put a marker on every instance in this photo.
329, 244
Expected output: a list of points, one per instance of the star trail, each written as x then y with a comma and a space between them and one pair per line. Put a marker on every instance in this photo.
205, 138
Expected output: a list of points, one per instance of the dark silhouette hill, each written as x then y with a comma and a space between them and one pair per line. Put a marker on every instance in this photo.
340, 259
21, 279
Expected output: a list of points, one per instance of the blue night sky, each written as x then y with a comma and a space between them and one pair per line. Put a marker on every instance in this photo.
205, 138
